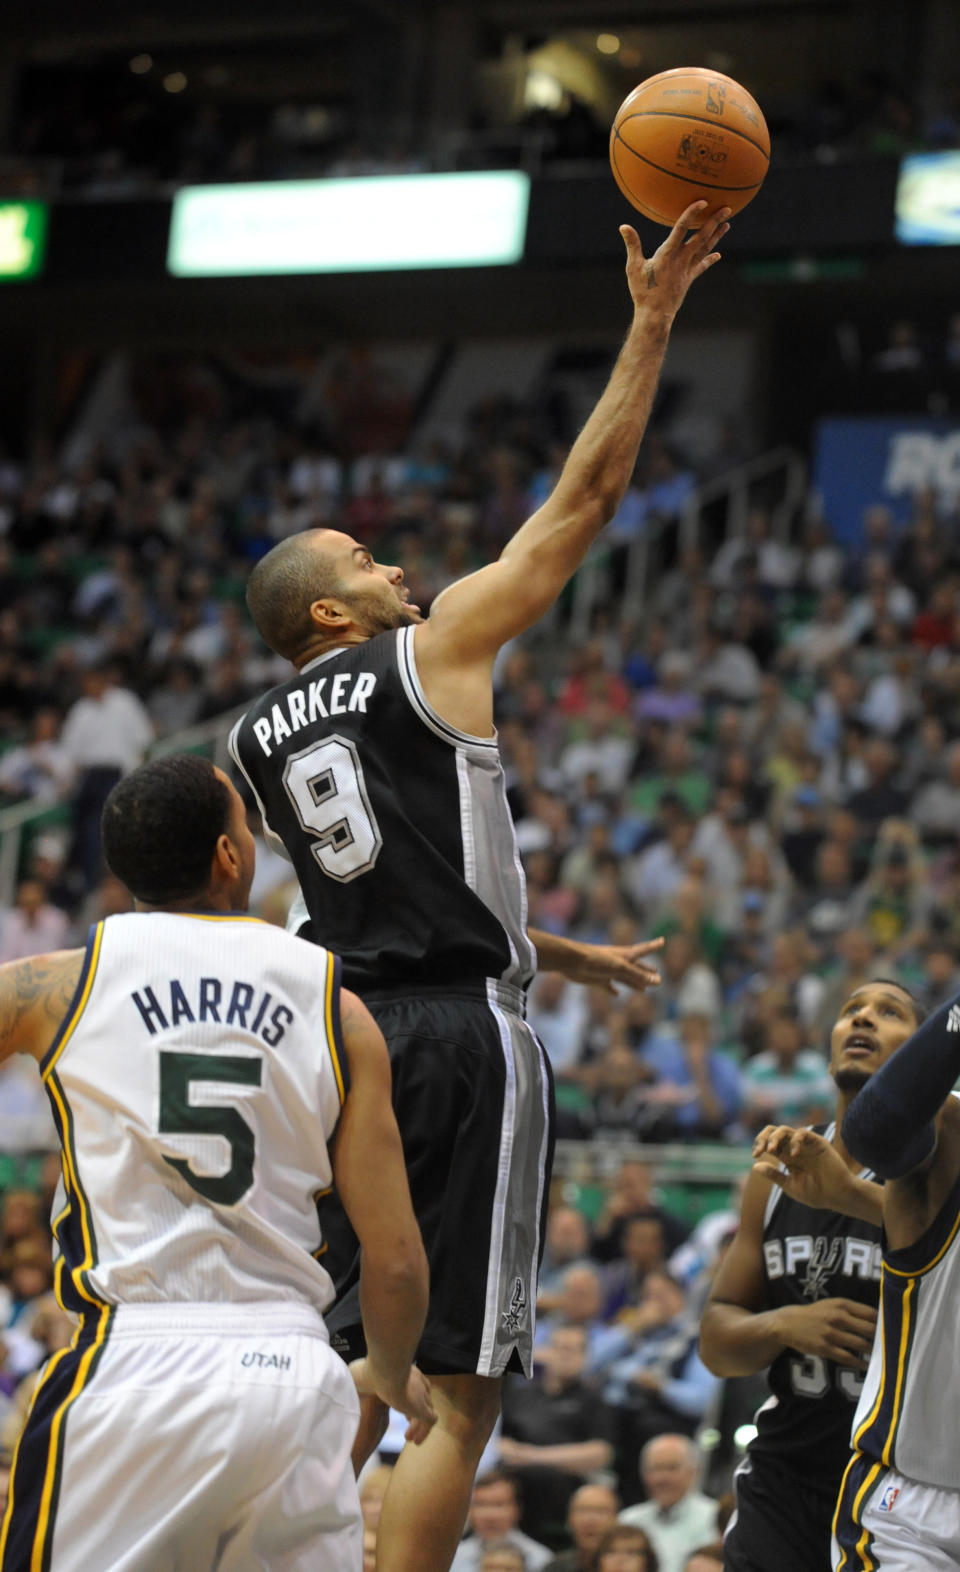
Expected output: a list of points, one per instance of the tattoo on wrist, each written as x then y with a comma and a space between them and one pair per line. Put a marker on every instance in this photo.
651, 276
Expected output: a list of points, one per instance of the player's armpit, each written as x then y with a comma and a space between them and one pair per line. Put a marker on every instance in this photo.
35, 995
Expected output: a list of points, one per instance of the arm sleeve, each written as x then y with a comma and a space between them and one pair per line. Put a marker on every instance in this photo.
889, 1125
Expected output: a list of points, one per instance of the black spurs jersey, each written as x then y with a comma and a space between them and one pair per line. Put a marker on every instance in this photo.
809, 1255
396, 823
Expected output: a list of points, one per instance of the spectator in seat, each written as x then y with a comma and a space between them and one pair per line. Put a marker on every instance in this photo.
33, 925
556, 1432
786, 1083
592, 1510
633, 1193
625, 1548
678, 1517
659, 1383
494, 1517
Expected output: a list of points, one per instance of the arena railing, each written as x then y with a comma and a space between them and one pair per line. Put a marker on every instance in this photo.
780, 473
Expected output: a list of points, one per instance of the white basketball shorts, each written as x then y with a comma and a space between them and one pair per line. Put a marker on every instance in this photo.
177, 1438
888, 1523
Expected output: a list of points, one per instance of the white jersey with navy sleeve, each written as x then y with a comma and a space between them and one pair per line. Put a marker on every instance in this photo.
196, 1081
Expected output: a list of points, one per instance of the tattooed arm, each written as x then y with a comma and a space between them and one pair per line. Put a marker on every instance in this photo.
473, 617
35, 995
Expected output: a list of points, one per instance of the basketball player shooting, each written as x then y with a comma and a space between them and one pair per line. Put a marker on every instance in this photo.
376, 765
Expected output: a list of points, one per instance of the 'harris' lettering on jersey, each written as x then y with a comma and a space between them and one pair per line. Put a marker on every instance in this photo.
819, 1258
347, 691
227, 1004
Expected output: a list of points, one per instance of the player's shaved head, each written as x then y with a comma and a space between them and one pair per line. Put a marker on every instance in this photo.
284, 585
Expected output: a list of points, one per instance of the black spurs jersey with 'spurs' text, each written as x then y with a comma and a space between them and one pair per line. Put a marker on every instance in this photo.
808, 1255
397, 823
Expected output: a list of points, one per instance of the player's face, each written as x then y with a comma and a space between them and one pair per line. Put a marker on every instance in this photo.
243, 843
874, 1022
373, 592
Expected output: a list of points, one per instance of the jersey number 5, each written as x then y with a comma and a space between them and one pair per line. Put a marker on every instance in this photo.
180, 1116
329, 794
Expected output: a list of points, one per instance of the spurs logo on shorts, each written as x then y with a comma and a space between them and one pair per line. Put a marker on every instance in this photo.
513, 1315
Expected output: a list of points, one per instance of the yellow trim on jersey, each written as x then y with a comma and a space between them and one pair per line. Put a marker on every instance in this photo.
869, 1565
47, 1373
878, 1400
867, 1485
53, 1455
70, 1025
76, 1195
921, 1271
836, 1510
331, 1031
218, 917
905, 1308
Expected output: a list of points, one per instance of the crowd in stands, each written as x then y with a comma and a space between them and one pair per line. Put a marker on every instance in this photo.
762, 771
111, 132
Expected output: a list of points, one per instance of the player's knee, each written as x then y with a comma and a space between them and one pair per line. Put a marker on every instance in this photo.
467, 1407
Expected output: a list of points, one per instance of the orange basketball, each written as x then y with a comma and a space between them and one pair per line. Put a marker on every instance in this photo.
686, 134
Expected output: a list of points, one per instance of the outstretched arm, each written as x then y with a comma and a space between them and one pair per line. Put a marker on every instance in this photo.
471, 619
596, 965
34, 998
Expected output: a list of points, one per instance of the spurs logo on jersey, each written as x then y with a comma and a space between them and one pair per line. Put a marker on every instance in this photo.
809, 1255
815, 1260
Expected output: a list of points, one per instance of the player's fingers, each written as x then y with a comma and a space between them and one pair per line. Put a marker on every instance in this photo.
849, 1360
646, 948
632, 242
858, 1312
690, 218
769, 1171
774, 1139
713, 226
706, 263
761, 1138
639, 976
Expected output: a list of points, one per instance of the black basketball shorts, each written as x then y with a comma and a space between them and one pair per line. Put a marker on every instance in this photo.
473, 1095
782, 1523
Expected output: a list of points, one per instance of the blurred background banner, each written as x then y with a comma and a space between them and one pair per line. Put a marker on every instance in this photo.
370, 224
896, 457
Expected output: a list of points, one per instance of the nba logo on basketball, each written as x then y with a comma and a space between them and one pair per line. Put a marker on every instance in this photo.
716, 97
885, 1504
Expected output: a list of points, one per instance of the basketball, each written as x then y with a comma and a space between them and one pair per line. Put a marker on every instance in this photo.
687, 134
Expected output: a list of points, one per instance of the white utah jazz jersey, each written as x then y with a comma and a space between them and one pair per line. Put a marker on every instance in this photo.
907, 1417
195, 1081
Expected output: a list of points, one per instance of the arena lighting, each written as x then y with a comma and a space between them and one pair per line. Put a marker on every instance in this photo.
927, 203
23, 239
373, 224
